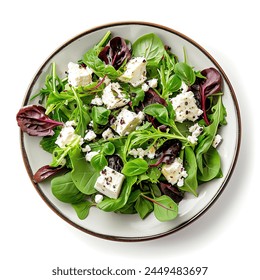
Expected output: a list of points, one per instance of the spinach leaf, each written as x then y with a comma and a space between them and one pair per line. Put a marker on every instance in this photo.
158, 111
190, 165
82, 208
64, 189
209, 132
135, 167
99, 161
110, 204
100, 115
83, 174
149, 46
185, 73
108, 148
211, 165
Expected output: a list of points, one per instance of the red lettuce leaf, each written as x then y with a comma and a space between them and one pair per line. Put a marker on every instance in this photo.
45, 172
173, 192
115, 52
33, 120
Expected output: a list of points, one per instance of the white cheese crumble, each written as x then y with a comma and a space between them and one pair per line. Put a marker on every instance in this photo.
86, 149
96, 101
175, 172
145, 87
153, 83
90, 135
141, 153
107, 134
78, 75
113, 96
98, 198
109, 182
216, 141
185, 107
195, 130
127, 121
67, 135
90, 155
135, 73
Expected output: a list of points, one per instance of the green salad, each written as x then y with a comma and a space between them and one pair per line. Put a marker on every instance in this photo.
130, 127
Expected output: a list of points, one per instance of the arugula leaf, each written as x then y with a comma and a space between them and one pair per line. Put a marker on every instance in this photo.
143, 207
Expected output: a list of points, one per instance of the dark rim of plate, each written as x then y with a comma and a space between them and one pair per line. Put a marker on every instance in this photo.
220, 190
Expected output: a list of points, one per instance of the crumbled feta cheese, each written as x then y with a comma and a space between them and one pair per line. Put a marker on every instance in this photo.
174, 172
127, 121
141, 153
98, 198
90, 155
113, 96
185, 107
107, 134
86, 149
145, 87
90, 135
216, 141
153, 83
196, 130
78, 75
67, 135
135, 73
109, 182
184, 87
96, 101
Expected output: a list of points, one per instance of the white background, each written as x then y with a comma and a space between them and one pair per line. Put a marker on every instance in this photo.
34, 240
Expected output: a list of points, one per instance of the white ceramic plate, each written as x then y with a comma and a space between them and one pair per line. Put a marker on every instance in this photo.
129, 227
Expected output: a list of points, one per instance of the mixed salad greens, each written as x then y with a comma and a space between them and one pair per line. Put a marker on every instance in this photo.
130, 128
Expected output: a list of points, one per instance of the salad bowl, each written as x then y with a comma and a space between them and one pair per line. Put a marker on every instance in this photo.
115, 226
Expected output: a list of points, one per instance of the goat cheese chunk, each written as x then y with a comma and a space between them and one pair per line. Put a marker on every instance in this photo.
78, 75
110, 182
195, 130
175, 172
90, 135
127, 121
185, 107
67, 135
113, 96
135, 73
216, 141
107, 134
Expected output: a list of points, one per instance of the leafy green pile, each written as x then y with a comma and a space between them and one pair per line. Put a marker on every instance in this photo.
142, 190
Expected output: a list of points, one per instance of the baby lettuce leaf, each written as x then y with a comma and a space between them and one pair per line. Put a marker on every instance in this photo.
185, 73
45, 172
110, 204
64, 189
165, 209
33, 120
149, 46
83, 174
143, 207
